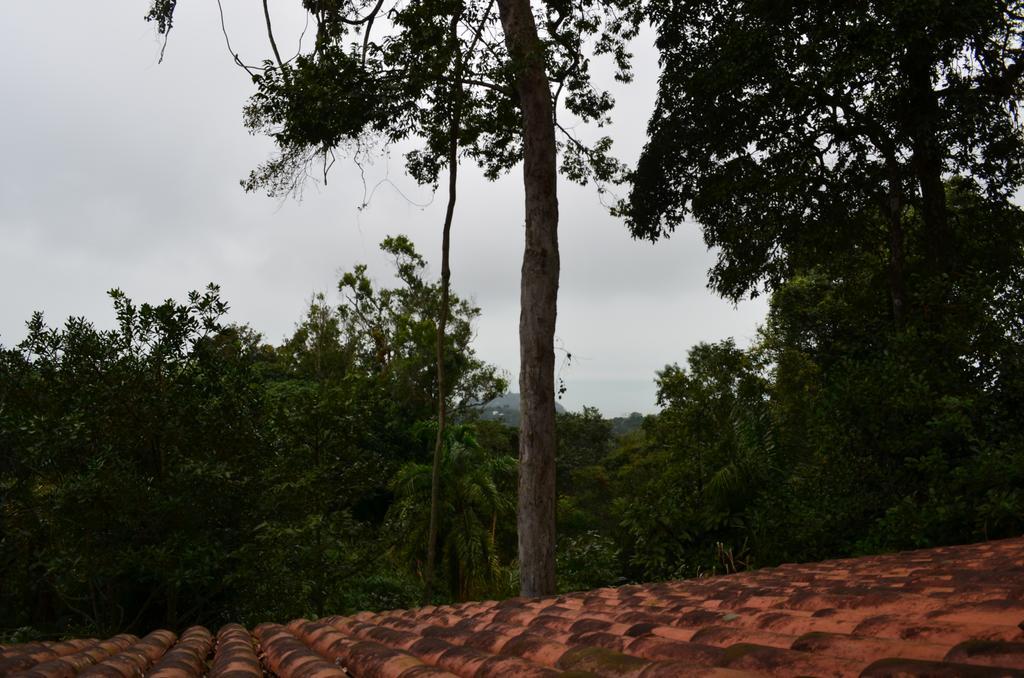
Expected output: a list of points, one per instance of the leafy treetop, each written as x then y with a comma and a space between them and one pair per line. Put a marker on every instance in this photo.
779, 125
393, 71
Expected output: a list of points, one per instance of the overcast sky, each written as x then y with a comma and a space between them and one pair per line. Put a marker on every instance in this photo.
119, 172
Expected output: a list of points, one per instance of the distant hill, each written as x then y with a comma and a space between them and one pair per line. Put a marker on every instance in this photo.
506, 409
623, 425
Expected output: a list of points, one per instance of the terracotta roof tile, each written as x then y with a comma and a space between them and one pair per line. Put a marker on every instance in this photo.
26, 655
954, 611
235, 656
135, 660
187, 658
69, 665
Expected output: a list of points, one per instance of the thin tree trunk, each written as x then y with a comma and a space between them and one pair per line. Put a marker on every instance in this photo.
538, 297
321, 584
171, 616
894, 213
442, 320
928, 166
897, 285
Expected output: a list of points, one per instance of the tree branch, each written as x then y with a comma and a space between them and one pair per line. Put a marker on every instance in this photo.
369, 26
227, 41
486, 85
270, 35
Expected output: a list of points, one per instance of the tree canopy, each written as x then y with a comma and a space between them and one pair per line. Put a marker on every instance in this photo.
177, 468
783, 127
378, 73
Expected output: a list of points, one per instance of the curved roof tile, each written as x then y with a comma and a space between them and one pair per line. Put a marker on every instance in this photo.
952, 611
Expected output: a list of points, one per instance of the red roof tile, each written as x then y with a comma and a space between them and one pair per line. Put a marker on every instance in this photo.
956, 611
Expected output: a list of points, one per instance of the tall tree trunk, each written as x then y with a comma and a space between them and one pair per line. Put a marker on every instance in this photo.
320, 592
538, 297
927, 154
442, 319
928, 167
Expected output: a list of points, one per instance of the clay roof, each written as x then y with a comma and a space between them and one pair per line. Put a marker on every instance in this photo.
955, 611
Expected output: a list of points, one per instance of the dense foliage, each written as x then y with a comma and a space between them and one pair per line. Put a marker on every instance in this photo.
779, 125
858, 162
833, 434
176, 469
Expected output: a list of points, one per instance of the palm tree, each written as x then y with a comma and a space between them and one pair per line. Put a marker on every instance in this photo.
476, 496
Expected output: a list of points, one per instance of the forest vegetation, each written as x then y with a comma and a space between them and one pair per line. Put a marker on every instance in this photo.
178, 470
858, 164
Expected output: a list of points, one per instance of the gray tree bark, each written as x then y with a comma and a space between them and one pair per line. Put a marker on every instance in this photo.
538, 298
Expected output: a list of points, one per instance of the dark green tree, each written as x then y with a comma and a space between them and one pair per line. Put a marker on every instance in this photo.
857, 160
176, 470
352, 388
584, 439
788, 129
311, 542
391, 334
895, 438
477, 497
706, 457
836, 433
124, 464
435, 63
